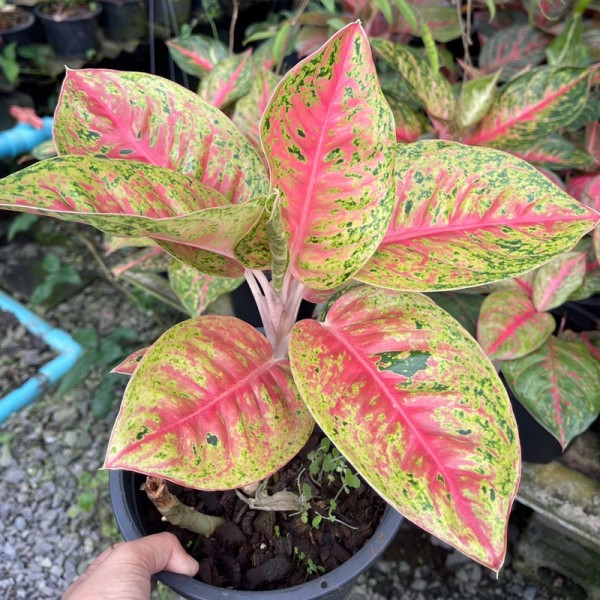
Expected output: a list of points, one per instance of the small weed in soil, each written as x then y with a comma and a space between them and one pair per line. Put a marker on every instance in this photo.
21, 353
266, 550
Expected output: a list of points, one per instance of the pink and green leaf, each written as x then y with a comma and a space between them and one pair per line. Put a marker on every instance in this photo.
512, 49
467, 216
228, 81
129, 365
130, 199
558, 153
592, 141
559, 384
410, 399
197, 54
146, 118
197, 290
152, 258
328, 134
533, 107
556, 280
209, 407
464, 307
410, 122
510, 327
250, 108
545, 13
430, 88
576, 185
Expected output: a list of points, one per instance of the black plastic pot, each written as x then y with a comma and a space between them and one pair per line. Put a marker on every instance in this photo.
130, 513
123, 20
73, 37
168, 16
21, 34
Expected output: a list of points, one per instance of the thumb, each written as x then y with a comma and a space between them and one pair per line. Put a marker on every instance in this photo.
158, 552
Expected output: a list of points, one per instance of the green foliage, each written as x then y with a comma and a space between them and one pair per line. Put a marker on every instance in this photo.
100, 353
20, 224
9, 66
56, 274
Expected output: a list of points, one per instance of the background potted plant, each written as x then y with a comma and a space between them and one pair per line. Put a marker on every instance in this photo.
71, 27
402, 390
15, 24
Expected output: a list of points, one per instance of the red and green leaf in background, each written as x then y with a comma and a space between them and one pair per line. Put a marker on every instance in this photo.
197, 290
559, 384
328, 135
430, 88
411, 123
197, 54
410, 399
509, 325
557, 153
468, 216
228, 81
464, 307
209, 407
476, 97
513, 48
142, 117
131, 199
533, 107
556, 280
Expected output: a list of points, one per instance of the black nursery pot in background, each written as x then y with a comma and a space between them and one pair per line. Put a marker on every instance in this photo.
130, 513
21, 33
74, 37
123, 20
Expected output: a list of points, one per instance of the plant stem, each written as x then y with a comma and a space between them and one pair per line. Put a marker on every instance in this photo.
176, 512
234, 18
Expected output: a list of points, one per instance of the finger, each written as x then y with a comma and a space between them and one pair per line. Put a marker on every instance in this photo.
154, 553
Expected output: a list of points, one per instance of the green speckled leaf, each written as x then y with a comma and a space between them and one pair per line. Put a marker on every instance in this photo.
430, 88
411, 123
328, 134
559, 384
463, 307
196, 54
250, 108
130, 364
557, 153
532, 107
466, 216
556, 280
130, 199
197, 290
229, 80
210, 408
149, 119
510, 327
410, 399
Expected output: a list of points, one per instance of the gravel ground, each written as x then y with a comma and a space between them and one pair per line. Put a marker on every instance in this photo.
56, 514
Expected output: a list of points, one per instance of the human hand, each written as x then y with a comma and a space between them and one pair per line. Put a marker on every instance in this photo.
124, 571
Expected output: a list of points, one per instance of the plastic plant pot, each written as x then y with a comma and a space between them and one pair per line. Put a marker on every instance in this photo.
130, 508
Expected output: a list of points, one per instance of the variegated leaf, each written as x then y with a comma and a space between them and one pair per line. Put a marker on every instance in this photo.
112, 243
592, 141
558, 153
568, 48
411, 123
197, 290
150, 119
510, 327
467, 216
512, 49
328, 134
590, 194
197, 54
576, 185
228, 81
430, 88
250, 108
130, 199
130, 364
532, 107
148, 259
410, 399
476, 97
545, 13
441, 19
559, 384
209, 407
556, 280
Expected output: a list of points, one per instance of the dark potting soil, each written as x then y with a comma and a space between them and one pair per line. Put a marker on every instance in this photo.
269, 550
21, 353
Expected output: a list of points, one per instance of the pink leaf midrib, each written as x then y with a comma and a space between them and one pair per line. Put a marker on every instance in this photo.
557, 281
484, 136
196, 58
511, 330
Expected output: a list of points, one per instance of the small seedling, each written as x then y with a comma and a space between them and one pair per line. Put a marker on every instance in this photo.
55, 274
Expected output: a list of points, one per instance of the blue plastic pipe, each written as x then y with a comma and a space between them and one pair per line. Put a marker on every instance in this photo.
68, 350
23, 138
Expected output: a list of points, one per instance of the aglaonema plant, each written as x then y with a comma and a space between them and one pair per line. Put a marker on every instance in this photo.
401, 389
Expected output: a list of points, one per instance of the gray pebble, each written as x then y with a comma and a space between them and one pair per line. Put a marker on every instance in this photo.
20, 523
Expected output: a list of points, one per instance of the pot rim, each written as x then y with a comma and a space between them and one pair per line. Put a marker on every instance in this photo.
314, 589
